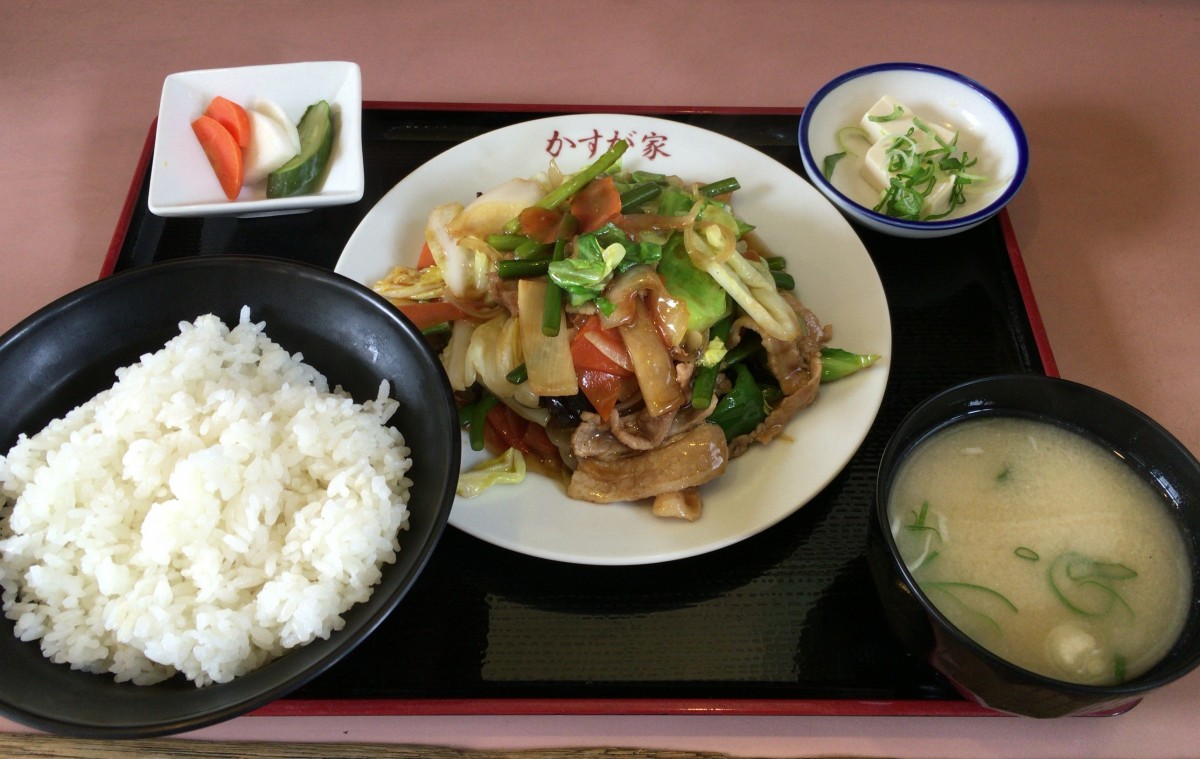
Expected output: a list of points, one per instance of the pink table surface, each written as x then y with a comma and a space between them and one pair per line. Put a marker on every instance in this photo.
1106, 90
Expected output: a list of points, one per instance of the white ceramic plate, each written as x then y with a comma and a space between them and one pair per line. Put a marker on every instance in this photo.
835, 277
182, 182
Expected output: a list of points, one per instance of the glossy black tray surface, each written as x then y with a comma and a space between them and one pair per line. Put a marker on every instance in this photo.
786, 621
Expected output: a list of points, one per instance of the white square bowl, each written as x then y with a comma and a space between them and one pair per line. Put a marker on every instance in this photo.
182, 182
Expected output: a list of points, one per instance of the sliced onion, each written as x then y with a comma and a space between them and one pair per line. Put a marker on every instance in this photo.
708, 241
636, 223
652, 364
669, 313
493, 353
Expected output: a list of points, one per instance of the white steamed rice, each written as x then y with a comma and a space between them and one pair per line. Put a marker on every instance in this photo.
214, 508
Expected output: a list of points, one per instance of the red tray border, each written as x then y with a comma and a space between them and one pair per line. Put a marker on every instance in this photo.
286, 707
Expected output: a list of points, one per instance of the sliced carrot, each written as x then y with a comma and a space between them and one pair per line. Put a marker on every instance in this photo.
424, 315
426, 258
540, 224
231, 116
223, 153
598, 203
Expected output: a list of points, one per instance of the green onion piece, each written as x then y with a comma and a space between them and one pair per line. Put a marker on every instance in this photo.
436, 329
945, 585
914, 174
919, 521
518, 375
505, 243
929, 557
830, 163
720, 187
845, 133
1026, 553
1089, 569
896, 113
1073, 580
516, 268
776, 263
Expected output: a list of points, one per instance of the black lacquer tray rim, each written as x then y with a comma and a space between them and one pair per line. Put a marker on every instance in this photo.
309, 707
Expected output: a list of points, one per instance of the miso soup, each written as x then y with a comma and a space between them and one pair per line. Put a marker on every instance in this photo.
1044, 547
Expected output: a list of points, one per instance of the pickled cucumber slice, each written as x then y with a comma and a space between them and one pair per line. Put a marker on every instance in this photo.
302, 174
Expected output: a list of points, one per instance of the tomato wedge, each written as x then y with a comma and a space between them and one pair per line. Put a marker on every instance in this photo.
599, 349
603, 390
511, 430
426, 258
598, 203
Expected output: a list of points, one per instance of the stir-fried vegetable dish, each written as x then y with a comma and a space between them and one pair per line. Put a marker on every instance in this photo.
620, 330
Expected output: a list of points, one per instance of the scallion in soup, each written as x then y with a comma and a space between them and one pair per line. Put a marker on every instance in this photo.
1044, 547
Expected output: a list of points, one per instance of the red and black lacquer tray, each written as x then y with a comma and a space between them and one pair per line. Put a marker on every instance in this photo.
786, 622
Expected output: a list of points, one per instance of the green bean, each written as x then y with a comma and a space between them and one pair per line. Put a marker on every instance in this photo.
517, 268
576, 182
505, 243
783, 280
633, 198
479, 414
552, 305
741, 351
703, 385
720, 187
705, 382
531, 250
